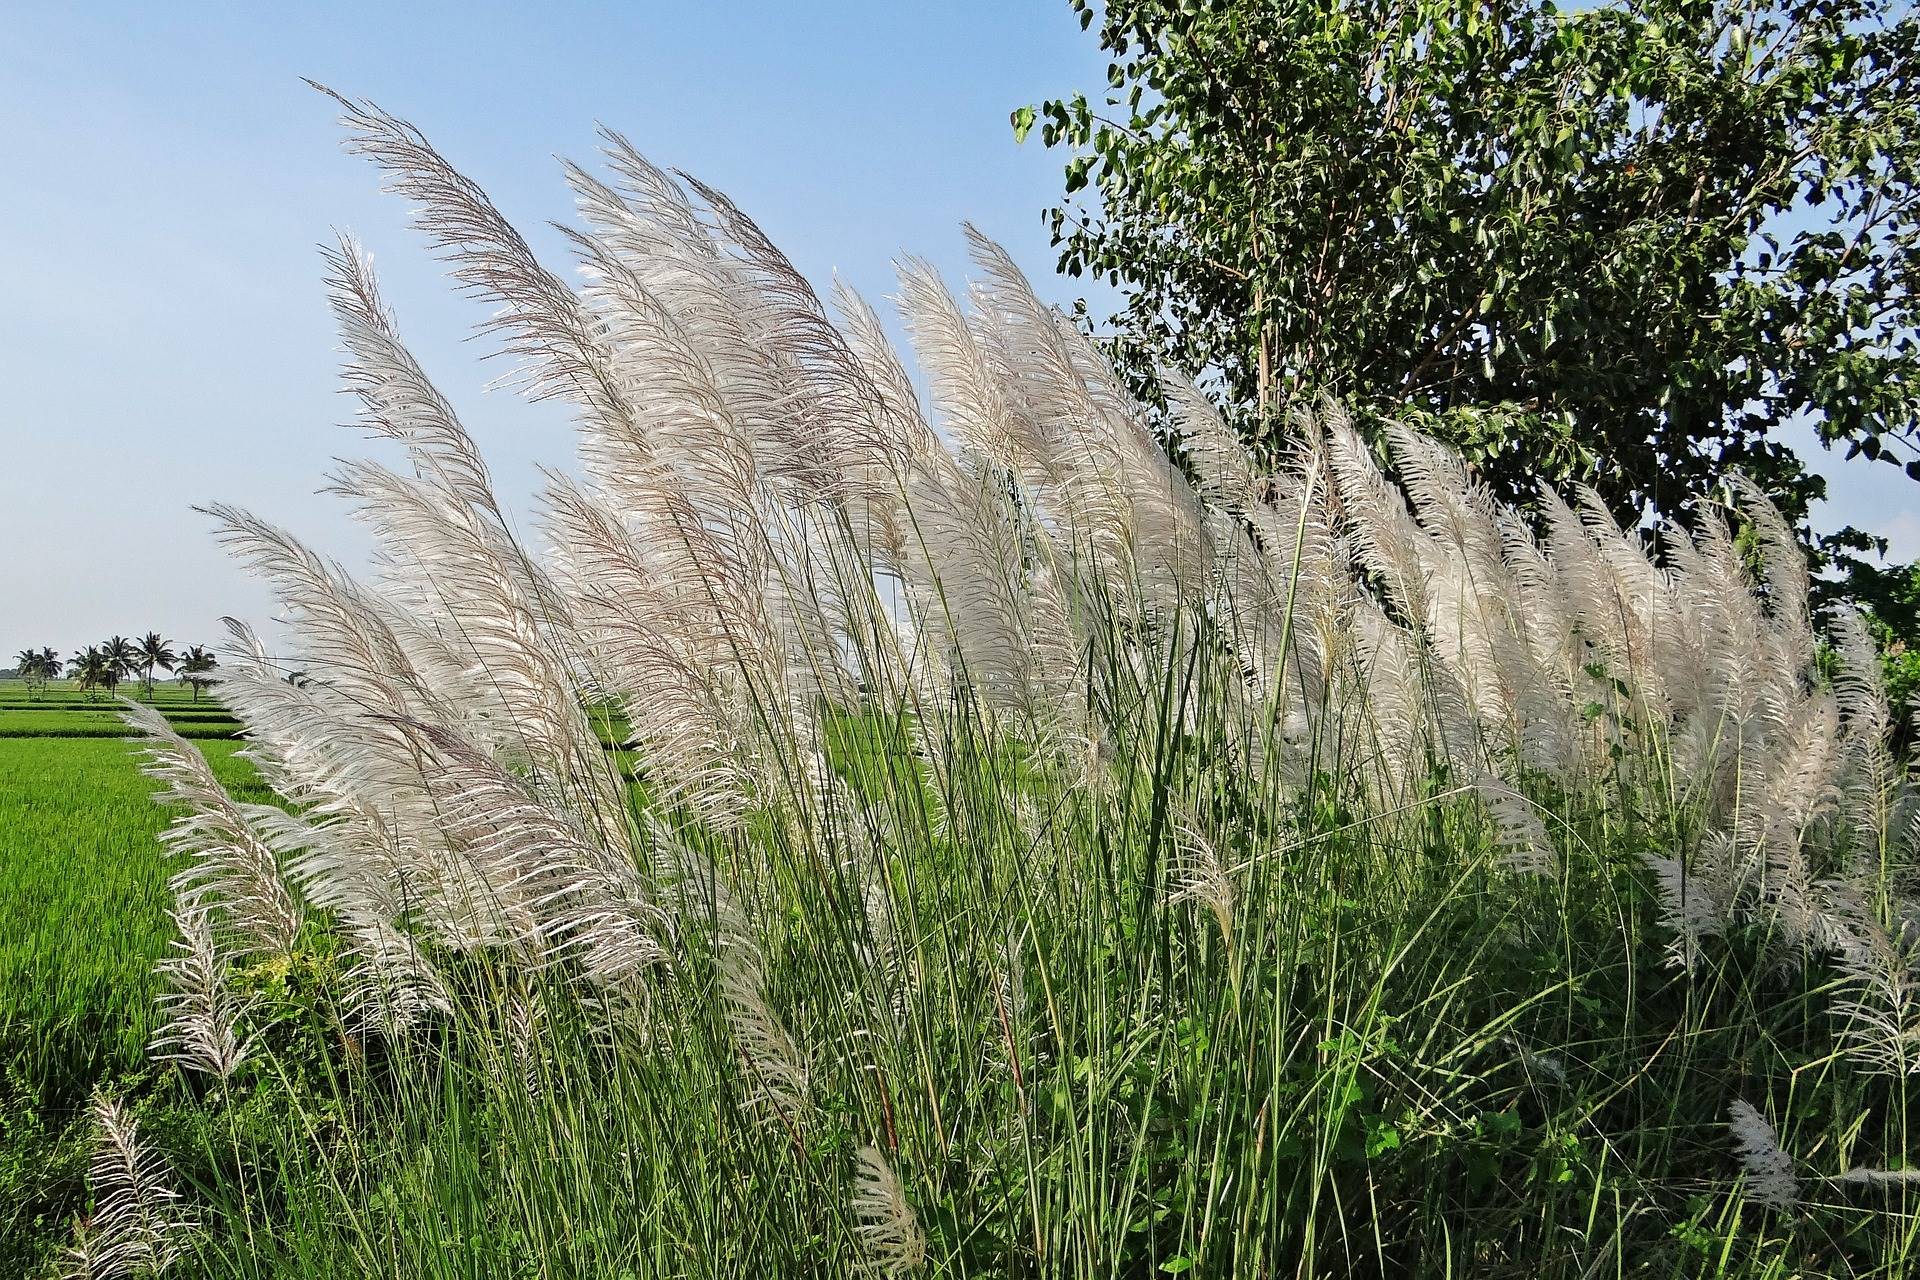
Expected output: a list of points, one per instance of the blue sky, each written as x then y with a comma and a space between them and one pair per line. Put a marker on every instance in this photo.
164, 339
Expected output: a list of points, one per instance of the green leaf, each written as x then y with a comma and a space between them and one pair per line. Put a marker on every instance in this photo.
1022, 123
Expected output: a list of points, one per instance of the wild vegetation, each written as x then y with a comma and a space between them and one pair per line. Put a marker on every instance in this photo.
1035, 853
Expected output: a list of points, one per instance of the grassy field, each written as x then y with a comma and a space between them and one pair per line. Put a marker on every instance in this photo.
83, 900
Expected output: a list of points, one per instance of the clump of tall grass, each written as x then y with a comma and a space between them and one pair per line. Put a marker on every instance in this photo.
1040, 850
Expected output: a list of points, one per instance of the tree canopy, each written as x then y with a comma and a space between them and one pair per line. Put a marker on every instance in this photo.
1626, 244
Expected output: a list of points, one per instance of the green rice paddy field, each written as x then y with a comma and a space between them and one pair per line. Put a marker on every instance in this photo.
83, 899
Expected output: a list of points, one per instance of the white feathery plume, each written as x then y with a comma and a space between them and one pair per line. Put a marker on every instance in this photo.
1769, 1170
551, 886
730, 545
960, 379
137, 1227
868, 343
1611, 603
1115, 497
1870, 790
649, 247
1880, 1013
1785, 565
201, 1025
1692, 905
996, 604
690, 710
527, 1039
1221, 464
233, 849
371, 845
776, 1069
540, 320
1475, 608
391, 986
1385, 537
888, 1228
1200, 875
1390, 685
338, 623
339, 766
1520, 831
510, 642
398, 400
1881, 1177
883, 524
1255, 544
1797, 770
843, 425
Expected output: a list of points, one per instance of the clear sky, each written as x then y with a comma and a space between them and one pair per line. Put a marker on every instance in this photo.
164, 338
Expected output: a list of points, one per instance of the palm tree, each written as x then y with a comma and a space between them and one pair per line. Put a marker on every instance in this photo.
195, 665
154, 652
93, 669
37, 666
121, 654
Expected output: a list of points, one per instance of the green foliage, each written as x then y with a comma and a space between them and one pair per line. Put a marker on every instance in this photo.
1623, 243
1891, 598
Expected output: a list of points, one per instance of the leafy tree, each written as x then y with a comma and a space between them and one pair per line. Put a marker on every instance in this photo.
154, 652
1626, 244
94, 669
123, 656
27, 663
196, 667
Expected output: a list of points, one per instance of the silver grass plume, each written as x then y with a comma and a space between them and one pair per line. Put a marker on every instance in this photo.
1871, 791
490, 611
1519, 831
1692, 904
540, 320
1200, 875
391, 985
889, 1230
1769, 1170
1785, 566
201, 1018
528, 1039
398, 400
137, 1227
565, 893
1881, 1177
776, 1069
1880, 1011
233, 850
